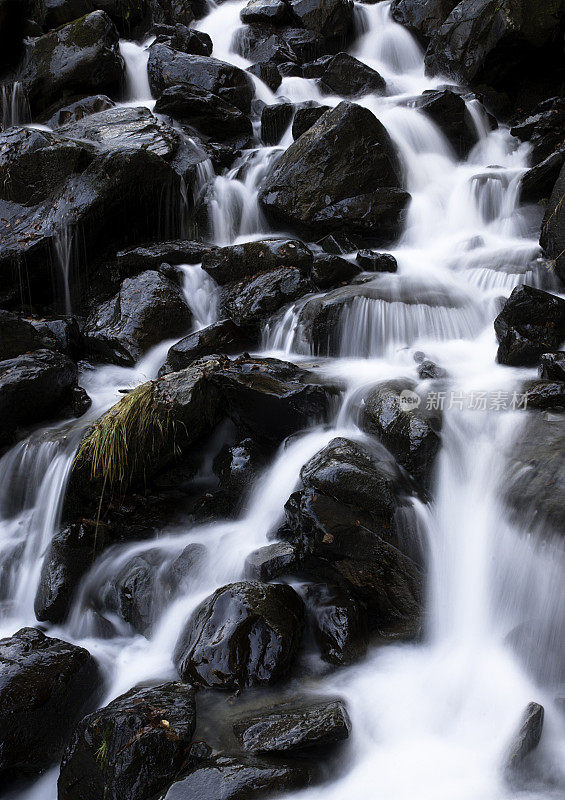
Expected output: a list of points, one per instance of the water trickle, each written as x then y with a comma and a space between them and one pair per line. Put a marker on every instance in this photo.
15, 105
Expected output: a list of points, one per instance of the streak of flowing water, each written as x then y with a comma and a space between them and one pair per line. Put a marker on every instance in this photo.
136, 56
431, 719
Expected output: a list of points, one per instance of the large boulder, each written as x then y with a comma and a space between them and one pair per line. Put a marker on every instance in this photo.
423, 19
220, 337
16, 336
267, 12
450, 113
240, 778
409, 432
129, 18
332, 19
344, 75
147, 309
47, 685
531, 323
553, 228
245, 634
134, 260
79, 58
207, 112
338, 621
168, 67
34, 387
343, 173
288, 728
80, 109
489, 40
240, 261
329, 271
542, 128
134, 747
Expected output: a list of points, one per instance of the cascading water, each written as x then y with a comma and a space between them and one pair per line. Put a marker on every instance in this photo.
431, 719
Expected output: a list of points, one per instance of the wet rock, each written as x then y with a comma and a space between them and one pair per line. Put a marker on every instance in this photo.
552, 366
409, 433
178, 574
237, 466
34, 164
355, 474
251, 303
271, 561
422, 19
278, 45
545, 395
535, 482
269, 398
127, 17
133, 747
245, 634
81, 58
526, 740
542, 128
47, 685
220, 337
147, 309
16, 336
34, 387
489, 41
69, 556
305, 117
342, 173
553, 227
176, 251
206, 112
290, 728
240, 261
268, 12
449, 112
63, 334
344, 75
353, 549
530, 324
329, 271
538, 182
427, 370
168, 67
184, 12
371, 261
332, 19
338, 243
241, 778
275, 120
188, 40
339, 623
268, 73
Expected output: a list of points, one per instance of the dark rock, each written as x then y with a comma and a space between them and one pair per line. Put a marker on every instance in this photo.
329, 271
16, 336
339, 623
251, 303
530, 324
228, 778
14, 22
353, 473
204, 111
338, 243
535, 482
538, 182
237, 466
275, 120
489, 40
268, 73
423, 19
80, 401
543, 129
272, 399
342, 173
371, 261
344, 75
34, 387
268, 12
410, 434
278, 45
188, 40
184, 12
147, 309
245, 634
220, 337
240, 261
127, 17
332, 19
305, 117
47, 685
450, 113
62, 334
133, 747
178, 574
287, 728
69, 556
526, 740
151, 256
81, 58
34, 164
427, 370
553, 228
544, 395
271, 562
168, 67
552, 366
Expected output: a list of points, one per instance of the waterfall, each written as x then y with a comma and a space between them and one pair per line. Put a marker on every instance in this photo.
430, 719
15, 105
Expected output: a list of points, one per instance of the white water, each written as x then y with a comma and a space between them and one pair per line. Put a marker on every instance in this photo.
431, 720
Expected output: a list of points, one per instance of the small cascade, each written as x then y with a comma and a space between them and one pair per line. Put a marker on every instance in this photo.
136, 57
15, 105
